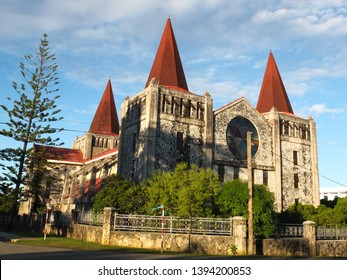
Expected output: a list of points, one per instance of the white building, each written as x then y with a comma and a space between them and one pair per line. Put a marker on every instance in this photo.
332, 193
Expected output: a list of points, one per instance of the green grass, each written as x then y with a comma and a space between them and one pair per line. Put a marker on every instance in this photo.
63, 242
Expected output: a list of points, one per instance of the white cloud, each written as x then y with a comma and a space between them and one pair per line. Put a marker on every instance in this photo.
321, 108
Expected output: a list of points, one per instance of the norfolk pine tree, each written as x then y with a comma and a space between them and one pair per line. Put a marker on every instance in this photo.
31, 115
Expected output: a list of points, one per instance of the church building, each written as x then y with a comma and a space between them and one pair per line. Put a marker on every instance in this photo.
165, 124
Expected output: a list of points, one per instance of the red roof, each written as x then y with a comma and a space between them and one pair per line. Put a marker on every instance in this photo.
167, 68
273, 92
102, 154
105, 119
61, 154
70, 155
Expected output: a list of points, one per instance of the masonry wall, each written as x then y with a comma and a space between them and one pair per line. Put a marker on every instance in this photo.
332, 248
294, 247
202, 244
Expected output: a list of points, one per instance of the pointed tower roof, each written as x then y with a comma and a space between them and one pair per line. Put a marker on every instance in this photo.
167, 67
273, 92
105, 119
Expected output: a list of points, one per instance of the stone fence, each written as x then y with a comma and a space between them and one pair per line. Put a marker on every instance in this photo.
307, 246
204, 244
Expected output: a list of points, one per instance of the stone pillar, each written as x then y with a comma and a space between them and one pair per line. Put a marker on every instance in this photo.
122, 145
74, 216
240, 234
274, 118
150, 130
314, 160
310, 234
107, 225
208, 136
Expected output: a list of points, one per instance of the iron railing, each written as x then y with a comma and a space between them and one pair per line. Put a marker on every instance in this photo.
289, 230
90, 218
211, 226
332, 233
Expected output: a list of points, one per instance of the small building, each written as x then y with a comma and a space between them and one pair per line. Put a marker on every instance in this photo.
333, 193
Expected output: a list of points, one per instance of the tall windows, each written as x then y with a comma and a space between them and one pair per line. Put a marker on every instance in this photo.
295, 157
296, 180
221, 172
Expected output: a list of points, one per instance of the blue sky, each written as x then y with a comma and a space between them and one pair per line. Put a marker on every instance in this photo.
224, 47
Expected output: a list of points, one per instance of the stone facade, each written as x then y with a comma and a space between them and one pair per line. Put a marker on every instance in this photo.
162, 126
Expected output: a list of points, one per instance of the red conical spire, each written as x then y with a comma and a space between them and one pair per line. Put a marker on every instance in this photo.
167, 67
105, 119
273, 92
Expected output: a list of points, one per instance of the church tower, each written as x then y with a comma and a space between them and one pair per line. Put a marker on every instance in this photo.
165, 123
103, 133
295, 153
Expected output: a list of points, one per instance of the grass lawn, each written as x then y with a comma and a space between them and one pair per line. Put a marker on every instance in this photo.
54, 241
63, 242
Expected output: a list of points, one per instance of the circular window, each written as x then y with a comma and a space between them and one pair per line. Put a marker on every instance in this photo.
237, 137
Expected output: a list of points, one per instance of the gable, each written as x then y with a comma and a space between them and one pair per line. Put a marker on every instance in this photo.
223, 116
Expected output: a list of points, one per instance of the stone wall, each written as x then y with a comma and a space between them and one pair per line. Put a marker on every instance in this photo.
294, 247
332, 248
212, 244
201, 244
86, 233
204, 244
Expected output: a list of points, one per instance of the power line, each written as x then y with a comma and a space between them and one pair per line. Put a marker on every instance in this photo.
281, 156
303, 167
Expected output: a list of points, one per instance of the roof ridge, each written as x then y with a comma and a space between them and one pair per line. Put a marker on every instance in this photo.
167, 67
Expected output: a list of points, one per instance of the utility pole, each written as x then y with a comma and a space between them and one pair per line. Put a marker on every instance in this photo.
250, 192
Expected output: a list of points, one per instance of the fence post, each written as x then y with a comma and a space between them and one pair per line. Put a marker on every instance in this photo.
240, 234
310, 234
107, 225
74, 216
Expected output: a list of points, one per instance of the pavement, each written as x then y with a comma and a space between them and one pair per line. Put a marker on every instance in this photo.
9, 236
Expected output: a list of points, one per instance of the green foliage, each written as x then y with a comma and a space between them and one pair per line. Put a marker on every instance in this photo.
187, 191
340, 212
233, 201
125, 196
327, 214
30, 116
264, 215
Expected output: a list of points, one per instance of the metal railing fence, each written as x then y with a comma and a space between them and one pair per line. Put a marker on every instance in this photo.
210, 226
332, 233
90, 218
289, 230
